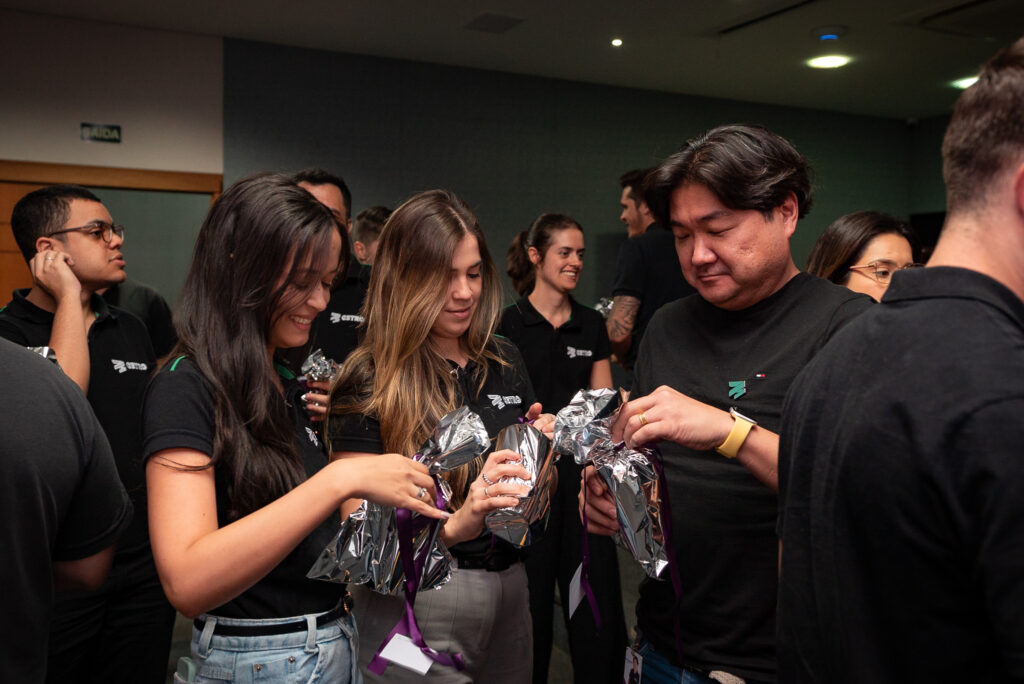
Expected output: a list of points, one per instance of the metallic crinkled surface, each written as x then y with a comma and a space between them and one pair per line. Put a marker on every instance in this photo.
524, 523
319, 368
583, 429
365, 550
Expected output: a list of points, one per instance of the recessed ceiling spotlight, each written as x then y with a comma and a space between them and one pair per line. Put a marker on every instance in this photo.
964, 83
616, 42
828, 61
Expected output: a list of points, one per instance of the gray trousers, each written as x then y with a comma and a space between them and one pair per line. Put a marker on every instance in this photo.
483, 615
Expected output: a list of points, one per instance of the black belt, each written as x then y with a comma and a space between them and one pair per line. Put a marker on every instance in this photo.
491, 563
341, 610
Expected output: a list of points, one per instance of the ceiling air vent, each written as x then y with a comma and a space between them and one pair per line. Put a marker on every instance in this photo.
493, 23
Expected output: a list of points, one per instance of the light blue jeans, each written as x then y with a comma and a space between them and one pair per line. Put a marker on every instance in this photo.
325, 654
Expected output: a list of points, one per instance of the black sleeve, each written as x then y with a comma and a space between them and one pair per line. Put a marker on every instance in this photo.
629, 279
354, 432
100, 509
603, 349
986, 466
179, 411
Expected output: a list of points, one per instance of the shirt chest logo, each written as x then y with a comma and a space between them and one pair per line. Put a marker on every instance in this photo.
347, 318
737, 388
499, 402
125, 366
574, 353
312, 437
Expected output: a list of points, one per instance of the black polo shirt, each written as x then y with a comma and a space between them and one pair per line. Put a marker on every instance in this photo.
504, 398
179, 414
559, 360
121, 360
901, 488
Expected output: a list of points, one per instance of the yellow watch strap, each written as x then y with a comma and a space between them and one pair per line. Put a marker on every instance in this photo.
740, 429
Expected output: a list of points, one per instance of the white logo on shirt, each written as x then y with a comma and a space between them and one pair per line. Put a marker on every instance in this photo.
348, 318
573, 352
500, 402
312, 437
125, 366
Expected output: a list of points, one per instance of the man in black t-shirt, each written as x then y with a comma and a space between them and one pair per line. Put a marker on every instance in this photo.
74, 250
710, 379
150, 306
61, 503
901, 464
648, 274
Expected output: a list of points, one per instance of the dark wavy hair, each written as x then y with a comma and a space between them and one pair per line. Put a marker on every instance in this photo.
986, 131
517, 262
262, 228
842, 243
745, 166
43, 211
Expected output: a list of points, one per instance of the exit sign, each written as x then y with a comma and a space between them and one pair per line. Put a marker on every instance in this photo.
107, 133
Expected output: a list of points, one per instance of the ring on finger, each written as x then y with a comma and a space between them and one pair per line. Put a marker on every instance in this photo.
486, 479
643, 418
50, 258
421, 492
487, 493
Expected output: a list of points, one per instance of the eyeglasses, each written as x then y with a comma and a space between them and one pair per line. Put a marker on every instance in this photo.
97, 230
881, 271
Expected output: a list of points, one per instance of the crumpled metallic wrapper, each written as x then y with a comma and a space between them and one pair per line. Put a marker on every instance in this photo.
319, 368
581, 425
365, 550
583, 429
46, 353
525, 523
604, 306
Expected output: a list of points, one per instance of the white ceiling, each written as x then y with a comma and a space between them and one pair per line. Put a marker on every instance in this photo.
904, 51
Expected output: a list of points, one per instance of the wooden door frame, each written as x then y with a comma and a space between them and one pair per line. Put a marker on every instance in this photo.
111, 177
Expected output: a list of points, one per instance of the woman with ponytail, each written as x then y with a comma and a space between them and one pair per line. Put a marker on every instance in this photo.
566, 349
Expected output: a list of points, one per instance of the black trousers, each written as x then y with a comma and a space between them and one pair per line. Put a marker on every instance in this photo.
596, 655
120, 632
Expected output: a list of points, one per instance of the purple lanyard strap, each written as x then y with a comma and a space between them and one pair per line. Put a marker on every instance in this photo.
413, 565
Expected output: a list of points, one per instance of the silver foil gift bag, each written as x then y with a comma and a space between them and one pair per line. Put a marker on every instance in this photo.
526, 522
583, 429
365, 550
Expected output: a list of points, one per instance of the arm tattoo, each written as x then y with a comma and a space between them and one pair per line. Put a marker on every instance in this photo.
622, 318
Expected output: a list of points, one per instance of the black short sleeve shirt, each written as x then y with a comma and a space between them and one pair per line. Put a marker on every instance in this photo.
60, 499
179, 414
504, 398
121, 360
560, 360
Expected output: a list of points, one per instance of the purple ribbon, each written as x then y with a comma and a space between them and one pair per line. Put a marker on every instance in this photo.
585, 571
412, 565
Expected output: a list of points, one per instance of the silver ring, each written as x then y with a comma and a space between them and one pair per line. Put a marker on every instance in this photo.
421, 492
486, 479
50, 258
486, 493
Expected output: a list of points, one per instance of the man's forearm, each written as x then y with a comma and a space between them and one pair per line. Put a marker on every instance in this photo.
621, 322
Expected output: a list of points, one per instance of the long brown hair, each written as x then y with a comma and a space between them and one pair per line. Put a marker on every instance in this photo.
396, 374
261, 227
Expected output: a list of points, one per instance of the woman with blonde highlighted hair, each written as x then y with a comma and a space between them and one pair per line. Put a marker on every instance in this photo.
429, 348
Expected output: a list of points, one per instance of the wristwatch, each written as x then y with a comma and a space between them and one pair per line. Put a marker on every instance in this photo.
740, 429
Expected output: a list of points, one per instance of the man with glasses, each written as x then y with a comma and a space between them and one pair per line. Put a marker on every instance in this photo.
901, 464
73, 250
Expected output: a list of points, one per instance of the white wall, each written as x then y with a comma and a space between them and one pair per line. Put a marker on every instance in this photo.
164, 89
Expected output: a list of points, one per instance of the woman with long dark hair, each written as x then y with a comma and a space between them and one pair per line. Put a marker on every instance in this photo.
862, 250
428, 348
566, 349
242, 498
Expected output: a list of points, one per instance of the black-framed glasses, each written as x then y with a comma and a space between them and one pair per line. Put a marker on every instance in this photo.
97, 230
881, 270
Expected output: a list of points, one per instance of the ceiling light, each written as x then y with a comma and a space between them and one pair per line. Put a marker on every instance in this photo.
833, 32
616, 42
964, 83
828, 61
